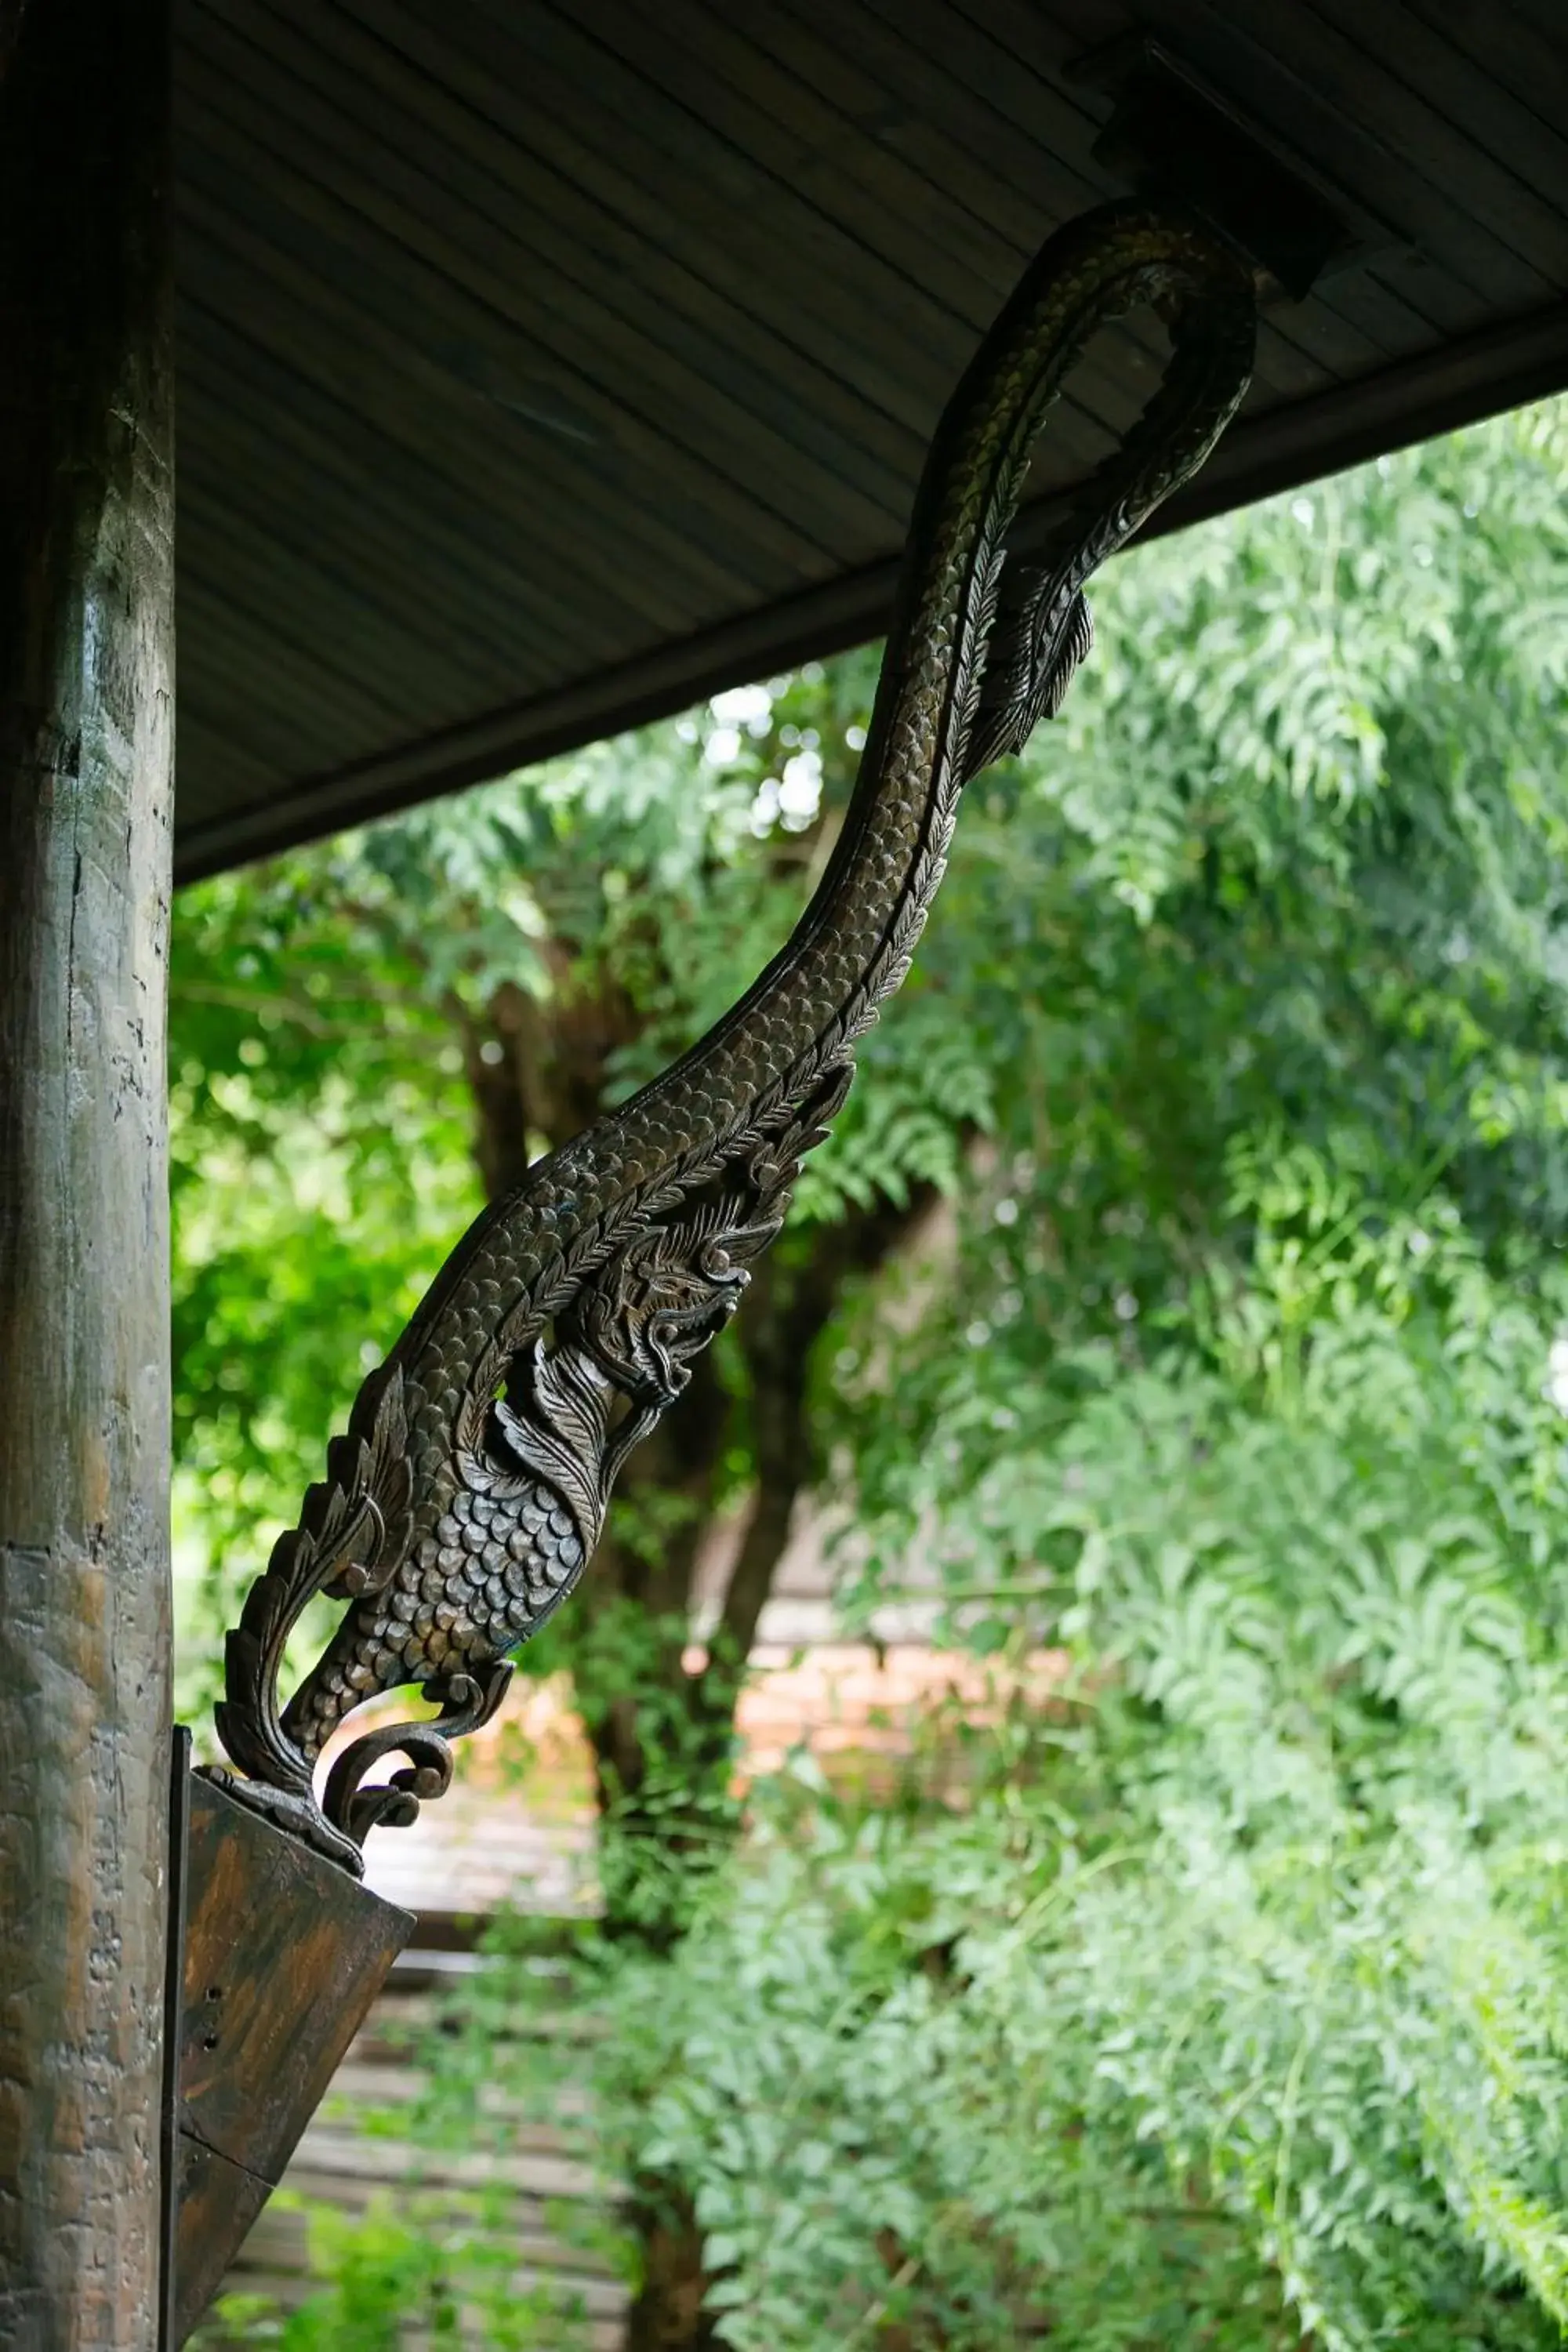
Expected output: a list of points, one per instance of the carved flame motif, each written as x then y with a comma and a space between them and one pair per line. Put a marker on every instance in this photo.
470, 1492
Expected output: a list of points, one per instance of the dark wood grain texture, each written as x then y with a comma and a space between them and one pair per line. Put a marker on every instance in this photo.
284, 1954
85, 742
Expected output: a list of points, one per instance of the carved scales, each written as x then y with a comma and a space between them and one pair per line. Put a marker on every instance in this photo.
467, 1496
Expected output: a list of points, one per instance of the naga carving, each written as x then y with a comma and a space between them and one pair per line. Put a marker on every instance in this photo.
466, 1499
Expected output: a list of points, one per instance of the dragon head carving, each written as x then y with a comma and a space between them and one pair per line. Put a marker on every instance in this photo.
673, 1289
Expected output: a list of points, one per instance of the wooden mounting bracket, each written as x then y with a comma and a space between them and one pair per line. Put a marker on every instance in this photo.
280, 1955
1174, 139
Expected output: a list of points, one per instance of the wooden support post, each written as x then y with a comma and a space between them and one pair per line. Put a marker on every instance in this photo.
86, 729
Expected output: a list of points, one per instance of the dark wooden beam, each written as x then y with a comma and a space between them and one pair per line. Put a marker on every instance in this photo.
1513, 361
86, 737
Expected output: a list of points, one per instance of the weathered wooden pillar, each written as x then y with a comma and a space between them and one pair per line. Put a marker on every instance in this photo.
86, 734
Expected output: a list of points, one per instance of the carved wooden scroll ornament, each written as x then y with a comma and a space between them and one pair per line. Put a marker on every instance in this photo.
467, 1496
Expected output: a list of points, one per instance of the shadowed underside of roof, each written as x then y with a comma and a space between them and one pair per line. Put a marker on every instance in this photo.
542, 368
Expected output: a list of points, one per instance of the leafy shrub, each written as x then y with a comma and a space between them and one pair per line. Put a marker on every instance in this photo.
1230, 2009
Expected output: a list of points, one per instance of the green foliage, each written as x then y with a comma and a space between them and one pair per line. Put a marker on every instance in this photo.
329, 1012
1228, 2009
658, 1842
1249, 1393
319, 1168
446, 2277
1230, 2006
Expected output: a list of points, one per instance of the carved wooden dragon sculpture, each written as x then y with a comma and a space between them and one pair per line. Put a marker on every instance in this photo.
467, 1496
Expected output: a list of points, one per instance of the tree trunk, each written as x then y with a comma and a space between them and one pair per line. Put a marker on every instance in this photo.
86, 722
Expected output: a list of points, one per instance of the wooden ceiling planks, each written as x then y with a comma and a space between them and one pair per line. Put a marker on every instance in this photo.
326, 466
588, 453
1440, 48
729, 411
544, 366
1507, 53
